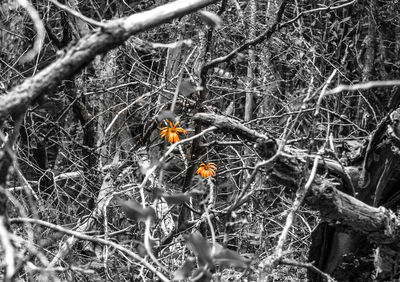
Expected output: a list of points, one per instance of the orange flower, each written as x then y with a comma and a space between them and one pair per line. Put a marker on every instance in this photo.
207, 170
171, 131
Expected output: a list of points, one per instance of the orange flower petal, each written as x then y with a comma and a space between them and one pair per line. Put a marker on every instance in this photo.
176, 137
171, 131
181, 130
207, 170
212, 167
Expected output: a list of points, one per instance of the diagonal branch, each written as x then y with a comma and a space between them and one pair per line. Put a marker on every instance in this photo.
16, 101
263, 36
81, 235
234, 126
380, 223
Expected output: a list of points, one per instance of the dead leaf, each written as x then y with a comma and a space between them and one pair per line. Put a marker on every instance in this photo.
226, 257
199, 245
134, 210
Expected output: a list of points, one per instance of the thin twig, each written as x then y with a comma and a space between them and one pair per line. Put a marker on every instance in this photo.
323, 92
274, 259
327, 8
308, 266
77, 14
264, 35
82, 236
127, 108
296, 205
363, 86
32, 267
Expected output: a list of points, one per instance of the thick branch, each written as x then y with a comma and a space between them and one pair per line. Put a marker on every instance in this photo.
83, 236
98, 42
230, 125
380, 224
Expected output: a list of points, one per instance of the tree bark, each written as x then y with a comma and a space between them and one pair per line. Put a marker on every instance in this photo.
356, 221
112, 34
16, 101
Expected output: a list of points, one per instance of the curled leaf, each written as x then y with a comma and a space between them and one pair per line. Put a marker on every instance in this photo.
199, 245
226, 257
211, 19
177, 198
133, 210
171, 199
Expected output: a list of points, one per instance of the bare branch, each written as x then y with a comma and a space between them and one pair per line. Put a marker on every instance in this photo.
77, 14
16, 101
230, 125
379, 222
309, 266
363, 86
263, 36
83, 236
41, 31
327, 8
272, 260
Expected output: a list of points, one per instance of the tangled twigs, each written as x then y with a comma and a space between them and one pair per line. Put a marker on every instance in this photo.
16, 101
83, 236
308, 266
271, 261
